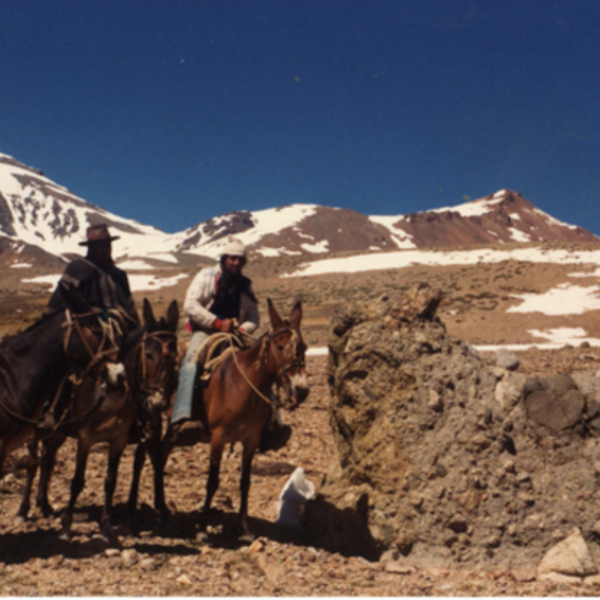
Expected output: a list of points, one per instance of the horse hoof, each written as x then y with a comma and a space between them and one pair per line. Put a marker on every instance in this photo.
247, 538
202, 537
65, 536
100, 537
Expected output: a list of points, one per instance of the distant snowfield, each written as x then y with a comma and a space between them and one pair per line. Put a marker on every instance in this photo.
270, 220
405, 258
137, 283
556, 339
564, 299
135, 265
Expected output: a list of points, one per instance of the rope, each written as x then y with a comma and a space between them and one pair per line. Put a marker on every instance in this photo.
233, 351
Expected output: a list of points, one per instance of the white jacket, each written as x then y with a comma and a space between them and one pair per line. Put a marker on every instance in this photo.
200, 296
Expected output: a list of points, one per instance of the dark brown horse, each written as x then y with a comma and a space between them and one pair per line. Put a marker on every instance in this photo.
35, 365
235, 405
100, 412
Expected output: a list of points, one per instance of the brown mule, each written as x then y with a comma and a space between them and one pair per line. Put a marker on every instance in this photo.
101, 412
35, 365
235, 405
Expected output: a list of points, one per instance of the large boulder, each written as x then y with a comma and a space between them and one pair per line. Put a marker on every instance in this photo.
438, 459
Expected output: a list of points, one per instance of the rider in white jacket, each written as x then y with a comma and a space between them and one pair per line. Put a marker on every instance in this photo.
200, 298
217, 298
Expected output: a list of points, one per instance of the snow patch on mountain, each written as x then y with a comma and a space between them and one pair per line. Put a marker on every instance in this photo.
399, 236
406, 258
36, 212
137, 282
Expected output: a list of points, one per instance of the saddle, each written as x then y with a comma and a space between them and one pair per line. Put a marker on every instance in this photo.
216, 349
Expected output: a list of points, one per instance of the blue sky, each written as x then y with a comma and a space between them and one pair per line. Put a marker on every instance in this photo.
172, 112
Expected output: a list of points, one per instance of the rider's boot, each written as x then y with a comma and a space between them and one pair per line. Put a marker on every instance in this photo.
48, 423
188, 433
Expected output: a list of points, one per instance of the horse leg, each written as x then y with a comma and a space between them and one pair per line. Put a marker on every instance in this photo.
247, 456
159, 454
2, 455
114, 457
212, 485
138, 465
50, 447
32, 466
77, 483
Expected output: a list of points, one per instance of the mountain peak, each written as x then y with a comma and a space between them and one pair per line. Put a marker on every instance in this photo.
35, 211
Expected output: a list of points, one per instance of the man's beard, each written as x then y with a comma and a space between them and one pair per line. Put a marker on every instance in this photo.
231, 279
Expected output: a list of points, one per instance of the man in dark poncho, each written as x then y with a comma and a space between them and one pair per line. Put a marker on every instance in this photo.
98, 280
106, 289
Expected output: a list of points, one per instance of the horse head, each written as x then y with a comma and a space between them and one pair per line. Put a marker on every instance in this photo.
288, 349
158, 356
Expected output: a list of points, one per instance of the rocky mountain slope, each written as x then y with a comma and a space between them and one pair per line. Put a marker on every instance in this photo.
44, 219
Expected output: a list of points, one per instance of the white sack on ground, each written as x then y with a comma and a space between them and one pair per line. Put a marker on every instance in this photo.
292, 499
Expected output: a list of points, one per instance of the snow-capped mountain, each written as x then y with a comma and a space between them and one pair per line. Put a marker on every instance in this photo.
42, 222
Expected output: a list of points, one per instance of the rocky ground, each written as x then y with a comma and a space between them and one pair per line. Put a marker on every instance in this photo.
173, 561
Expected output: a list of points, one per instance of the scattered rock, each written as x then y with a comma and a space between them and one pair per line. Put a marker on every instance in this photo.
148, 564
556, 402
129, 557
523, 575
257, 546
509, 390
505, 359
399, 568
570, 557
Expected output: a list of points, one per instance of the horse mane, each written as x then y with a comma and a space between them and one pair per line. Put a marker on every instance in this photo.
42, 320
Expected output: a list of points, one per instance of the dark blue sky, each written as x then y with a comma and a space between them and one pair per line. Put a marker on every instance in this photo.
172, 112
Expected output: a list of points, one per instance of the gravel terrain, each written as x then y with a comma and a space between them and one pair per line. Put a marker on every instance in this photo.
173, 560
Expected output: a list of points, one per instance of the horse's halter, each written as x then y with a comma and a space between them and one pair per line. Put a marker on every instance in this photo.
165, 352
293, 359
108, 345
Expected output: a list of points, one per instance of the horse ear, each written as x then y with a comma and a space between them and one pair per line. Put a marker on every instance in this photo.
73, 298
276, 321
149, 319
296, 316
172, 316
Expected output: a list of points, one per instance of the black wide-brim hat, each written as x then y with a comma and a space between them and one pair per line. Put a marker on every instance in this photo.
98, 233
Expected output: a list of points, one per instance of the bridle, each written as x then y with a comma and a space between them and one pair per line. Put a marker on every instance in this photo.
282, 376
147, 388
296, 361
108, 345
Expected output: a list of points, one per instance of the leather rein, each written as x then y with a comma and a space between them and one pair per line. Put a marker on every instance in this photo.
283, 371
